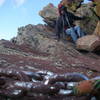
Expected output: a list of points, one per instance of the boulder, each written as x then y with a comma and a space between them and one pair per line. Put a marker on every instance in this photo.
72, 4
49, 14
97, 30
97, 8
88, 24
88, 43
38, 36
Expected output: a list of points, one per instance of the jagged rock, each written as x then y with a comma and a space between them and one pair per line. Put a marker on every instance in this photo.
50, 14
64, 58
97, 30
88, 43
88, 24
72, 4
36, 36
97, 8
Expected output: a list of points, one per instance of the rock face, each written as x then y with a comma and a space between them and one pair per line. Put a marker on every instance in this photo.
72, 4
89, 43
37, 37
97, 8
97, 30
89, 24
65, 59
49, 14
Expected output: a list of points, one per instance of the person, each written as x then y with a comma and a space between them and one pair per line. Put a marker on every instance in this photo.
65, 23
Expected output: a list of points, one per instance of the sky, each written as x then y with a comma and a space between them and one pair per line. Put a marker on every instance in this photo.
17, 13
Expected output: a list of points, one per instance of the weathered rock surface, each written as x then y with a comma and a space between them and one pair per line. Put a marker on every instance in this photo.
58, 57
89, 24
89, 43
97, 30
72, 4
39, 39
49, 14
97, 8
36, 36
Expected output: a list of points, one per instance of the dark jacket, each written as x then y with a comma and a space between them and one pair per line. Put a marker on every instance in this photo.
68, 15
71, 18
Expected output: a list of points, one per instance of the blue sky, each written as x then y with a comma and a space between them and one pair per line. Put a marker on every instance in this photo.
17, 13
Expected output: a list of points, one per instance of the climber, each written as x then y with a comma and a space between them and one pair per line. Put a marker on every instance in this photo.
65, 23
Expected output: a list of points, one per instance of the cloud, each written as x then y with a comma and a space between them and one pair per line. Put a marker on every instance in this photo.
19, 2
2, 2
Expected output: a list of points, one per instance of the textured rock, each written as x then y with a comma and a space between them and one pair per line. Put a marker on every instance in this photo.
97, 30
50, 14
72, 4
97, 8
88, 43
89, 24
58, 55
59, 58
36, 36
64, 59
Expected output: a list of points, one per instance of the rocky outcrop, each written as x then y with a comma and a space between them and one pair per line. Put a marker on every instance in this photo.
64, 59
97, 8
89, 43
49, 14
38, 36
72, 4
97, 30
88, 24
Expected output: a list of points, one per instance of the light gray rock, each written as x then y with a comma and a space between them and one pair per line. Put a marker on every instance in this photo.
49, 12
37, 36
